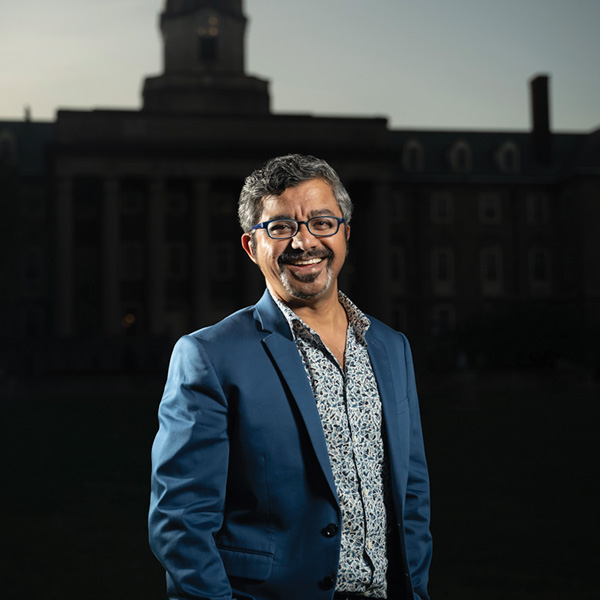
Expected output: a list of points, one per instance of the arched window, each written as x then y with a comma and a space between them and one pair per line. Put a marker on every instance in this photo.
491, 271
208, 37
537, 208
442, 271
460, 157
413, 156
508, 157
490, 208
442, 208
443, 319
540, 271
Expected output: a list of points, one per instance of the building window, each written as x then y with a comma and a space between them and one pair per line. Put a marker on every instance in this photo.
508, 158
208, 32
491, 271
132, 261
540, 274
442, 208
537, 208
413, 156
87, 198
443, 319
442, 271
207, 48
132, 199
490, 208
177, 263
8, 148
460, 157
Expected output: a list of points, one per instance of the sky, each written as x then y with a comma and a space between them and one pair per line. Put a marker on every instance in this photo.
432, 64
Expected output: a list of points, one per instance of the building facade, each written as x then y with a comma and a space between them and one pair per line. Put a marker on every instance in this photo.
120, 229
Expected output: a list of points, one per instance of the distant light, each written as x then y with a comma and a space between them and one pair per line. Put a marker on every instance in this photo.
213, 31
213, 20
128, 321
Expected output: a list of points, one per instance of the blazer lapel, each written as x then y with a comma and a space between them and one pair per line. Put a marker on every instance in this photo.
390, 387
284, 354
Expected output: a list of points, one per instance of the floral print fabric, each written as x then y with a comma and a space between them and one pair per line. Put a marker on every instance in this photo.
349, 405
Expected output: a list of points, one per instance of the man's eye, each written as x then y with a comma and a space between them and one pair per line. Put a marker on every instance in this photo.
322, 224
281, 227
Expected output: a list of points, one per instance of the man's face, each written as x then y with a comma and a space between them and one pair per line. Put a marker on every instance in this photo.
304, 268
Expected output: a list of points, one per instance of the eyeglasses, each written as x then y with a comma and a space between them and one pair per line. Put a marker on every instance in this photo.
283, 229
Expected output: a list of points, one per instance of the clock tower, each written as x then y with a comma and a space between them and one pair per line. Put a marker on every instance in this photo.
203, 62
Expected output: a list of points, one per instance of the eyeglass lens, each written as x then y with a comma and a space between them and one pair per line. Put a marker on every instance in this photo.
319, 226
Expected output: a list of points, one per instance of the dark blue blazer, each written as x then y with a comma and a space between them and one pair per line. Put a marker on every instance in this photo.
243, 497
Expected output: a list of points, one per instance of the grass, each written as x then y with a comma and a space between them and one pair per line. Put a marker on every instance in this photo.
515, 488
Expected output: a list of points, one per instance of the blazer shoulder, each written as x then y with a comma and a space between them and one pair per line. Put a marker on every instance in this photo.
235, 327
395, 341
385, 332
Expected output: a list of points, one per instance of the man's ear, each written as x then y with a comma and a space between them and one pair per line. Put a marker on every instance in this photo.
248, 246
347, 232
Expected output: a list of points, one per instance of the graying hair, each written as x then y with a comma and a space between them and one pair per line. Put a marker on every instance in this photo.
283, 172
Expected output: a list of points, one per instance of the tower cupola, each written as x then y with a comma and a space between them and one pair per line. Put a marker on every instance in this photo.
203, 61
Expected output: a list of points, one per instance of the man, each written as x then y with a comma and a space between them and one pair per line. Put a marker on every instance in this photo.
289, 462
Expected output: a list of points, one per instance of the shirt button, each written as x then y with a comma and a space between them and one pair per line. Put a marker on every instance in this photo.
330, 530
327, 583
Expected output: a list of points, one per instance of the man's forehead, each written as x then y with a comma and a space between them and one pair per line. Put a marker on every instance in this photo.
316, 195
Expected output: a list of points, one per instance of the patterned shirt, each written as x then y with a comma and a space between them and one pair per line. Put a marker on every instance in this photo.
349, 405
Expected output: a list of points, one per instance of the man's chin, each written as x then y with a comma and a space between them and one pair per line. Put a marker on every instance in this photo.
305, 287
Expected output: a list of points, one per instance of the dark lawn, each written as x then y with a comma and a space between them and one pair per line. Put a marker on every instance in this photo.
515, 485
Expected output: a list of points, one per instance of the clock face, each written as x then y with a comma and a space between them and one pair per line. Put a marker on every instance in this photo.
207, 23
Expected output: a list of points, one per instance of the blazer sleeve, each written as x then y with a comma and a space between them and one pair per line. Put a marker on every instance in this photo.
189, 476
417, 499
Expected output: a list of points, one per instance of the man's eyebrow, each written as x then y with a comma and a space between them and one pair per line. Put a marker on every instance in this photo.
280, 216
321, 212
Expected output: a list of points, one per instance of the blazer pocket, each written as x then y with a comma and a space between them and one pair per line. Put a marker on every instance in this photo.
402, 406
246, 563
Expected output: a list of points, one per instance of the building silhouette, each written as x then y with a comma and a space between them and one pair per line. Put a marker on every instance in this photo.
119, 228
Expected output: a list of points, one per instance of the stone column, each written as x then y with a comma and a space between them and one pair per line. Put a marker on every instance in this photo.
200, 248
156, 259
110, 258
64, 275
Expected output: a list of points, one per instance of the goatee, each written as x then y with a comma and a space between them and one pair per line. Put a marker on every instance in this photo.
290, 258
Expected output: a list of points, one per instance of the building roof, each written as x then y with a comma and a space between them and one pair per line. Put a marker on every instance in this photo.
570, 153
30, 138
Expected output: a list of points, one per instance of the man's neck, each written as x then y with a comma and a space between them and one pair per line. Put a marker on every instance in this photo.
325, 315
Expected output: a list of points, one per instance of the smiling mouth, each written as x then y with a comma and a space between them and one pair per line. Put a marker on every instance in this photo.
304, 259
304, 263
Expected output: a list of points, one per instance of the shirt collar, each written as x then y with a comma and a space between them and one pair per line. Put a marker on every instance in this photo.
357, 320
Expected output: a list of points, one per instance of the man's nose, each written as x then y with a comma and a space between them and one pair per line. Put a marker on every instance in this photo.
304, 238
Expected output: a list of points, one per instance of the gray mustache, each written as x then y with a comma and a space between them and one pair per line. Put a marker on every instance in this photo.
287, 257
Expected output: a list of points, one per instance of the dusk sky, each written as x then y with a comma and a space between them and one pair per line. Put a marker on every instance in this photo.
440, 64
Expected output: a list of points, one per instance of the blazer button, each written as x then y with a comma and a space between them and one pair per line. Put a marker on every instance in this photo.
327, 583
330, 530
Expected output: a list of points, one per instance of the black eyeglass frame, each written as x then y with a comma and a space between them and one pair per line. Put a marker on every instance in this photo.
265, 225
